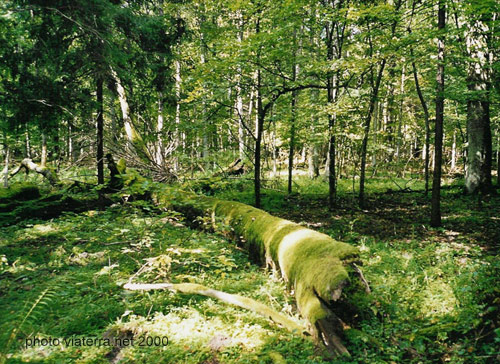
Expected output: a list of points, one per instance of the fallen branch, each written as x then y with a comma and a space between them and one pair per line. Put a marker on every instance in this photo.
232, 299
29, 165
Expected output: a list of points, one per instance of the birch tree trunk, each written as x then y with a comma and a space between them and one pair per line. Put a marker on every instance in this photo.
43, 161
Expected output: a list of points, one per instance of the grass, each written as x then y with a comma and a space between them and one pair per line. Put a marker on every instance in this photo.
84, 259
435, 290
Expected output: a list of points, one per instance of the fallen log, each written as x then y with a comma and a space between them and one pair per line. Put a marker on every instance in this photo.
232, 299
316, 267
29, 165
234, 169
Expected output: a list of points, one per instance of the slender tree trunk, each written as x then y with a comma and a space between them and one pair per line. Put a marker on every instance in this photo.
427, 124
364, 145
498, 157
27, 141
334, 41
159, 132
292, 129
70, 143
454, 152
332, 185
100, 129
43, 161
259, 127
400, 118
376, 127
178, 136
291, 150
6, 160
135, 142
274, 153
239, 98
438, 132
206, 129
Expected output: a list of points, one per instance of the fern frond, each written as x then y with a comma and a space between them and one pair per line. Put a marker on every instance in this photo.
27, 314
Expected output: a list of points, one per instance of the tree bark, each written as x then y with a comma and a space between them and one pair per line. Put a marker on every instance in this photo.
438, 132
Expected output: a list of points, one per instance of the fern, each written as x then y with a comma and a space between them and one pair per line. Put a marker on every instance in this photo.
29, 314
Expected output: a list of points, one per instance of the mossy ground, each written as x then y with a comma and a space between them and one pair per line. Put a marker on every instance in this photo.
435, 290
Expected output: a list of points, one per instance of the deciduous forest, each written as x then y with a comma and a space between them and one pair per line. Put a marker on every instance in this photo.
250, 181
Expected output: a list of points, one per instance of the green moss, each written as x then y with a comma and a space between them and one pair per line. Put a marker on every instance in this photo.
19, 192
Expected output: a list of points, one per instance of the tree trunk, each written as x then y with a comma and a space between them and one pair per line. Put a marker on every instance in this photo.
100, 131
259, 125
364, 145
454, 152
43, 161
498, 157
313, 161
291, 151
135, 143
438, 139
159, 157
6, 161
70, 154
427, 125
258, 142
27, 141
399, 135
178, 136
479, 150
239, 97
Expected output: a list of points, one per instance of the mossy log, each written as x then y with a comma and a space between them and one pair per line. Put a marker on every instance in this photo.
28, 165
315, 266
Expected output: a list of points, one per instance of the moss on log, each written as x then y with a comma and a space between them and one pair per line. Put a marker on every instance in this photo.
315, 266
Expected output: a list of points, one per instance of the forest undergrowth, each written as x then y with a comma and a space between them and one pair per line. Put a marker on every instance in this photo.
435, 290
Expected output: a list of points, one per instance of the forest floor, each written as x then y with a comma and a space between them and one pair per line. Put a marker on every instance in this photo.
436, 290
